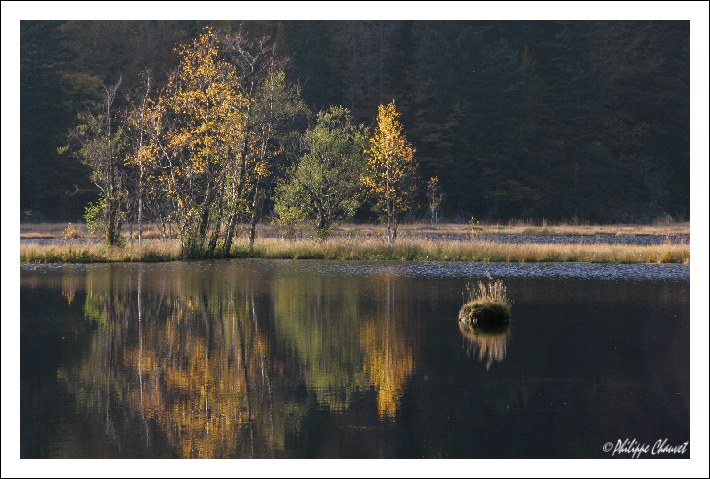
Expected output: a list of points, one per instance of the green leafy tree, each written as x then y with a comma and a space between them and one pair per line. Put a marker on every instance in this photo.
99, 142
278, 110
325, 183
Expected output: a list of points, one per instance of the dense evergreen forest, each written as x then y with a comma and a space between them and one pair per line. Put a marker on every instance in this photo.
567, 121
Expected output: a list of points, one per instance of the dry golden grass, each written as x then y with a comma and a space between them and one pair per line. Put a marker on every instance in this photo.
424, 250
52, 230
488, 292
523, 228
78, 230
371, 249
99, 253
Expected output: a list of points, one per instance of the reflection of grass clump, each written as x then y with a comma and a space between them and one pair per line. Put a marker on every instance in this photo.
487, 304
489, 344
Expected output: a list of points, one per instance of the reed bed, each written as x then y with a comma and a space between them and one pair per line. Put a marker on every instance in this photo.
487, 304
155, 251
488, 292
372, 249
424, 250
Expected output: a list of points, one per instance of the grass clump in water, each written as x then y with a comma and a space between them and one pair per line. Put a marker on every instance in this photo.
487, 304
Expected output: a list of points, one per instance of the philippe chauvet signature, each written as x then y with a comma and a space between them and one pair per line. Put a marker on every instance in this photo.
636, 449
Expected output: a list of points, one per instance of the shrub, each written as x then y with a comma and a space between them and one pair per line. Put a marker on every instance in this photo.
487, 304
71, 232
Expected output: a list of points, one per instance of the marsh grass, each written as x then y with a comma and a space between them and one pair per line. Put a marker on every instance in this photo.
486, 304
491, 291
99, 253
426, 250
369, 249
52, 230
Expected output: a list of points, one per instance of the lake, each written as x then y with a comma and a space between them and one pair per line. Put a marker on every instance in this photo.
327, 359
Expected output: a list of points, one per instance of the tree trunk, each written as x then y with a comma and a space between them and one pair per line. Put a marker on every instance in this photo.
140, 209
205, 218
212, 245
252, 235
255, 206
389, 223
231, 226
254, 220
113, 226
322, 228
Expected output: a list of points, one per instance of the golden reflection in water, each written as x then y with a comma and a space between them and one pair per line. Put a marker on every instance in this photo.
342, 349
198, 395
490, 345
197, 365
389, 360
70, 284
69, 295
192, 358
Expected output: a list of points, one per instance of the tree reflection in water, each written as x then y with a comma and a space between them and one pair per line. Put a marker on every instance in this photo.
389, 359
489, 344
251, 358
190, 358
319, 319
344, 348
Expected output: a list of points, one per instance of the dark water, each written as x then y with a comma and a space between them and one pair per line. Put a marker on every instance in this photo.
316, 359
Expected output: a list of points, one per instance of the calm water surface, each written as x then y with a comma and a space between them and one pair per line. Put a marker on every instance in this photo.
320, 359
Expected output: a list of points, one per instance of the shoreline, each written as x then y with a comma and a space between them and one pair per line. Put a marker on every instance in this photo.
368, 250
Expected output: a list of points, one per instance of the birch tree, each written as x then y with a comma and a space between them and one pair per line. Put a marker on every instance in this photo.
392, 169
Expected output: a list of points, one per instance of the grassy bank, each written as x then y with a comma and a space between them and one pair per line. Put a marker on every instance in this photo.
353, 249
153, 251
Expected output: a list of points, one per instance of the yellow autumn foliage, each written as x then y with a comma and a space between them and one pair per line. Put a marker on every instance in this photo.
392, 169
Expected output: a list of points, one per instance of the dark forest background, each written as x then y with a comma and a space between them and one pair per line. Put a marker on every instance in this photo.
569, 121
